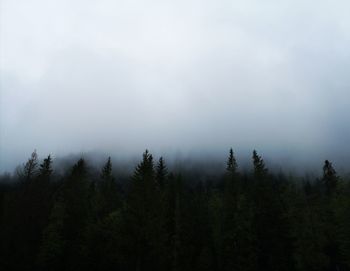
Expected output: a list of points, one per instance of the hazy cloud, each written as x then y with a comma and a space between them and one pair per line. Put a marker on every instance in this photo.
120, 76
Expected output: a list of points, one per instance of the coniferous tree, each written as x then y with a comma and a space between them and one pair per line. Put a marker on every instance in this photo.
231, 163
30, 168
238, 244
260, 171
330, 177
106, 173
161, 173
144, 218
107, 191
45, 169
74, 199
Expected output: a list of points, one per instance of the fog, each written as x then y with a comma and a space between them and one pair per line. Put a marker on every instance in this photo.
181, 78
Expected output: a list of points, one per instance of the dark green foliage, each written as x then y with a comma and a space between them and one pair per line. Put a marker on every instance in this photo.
260, 171
29, 170
107, 196
45, 170
144, 218
231, 163
164, 221
162, 172
330, 177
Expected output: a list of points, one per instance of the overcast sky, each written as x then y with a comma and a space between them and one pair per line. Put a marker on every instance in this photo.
175, 76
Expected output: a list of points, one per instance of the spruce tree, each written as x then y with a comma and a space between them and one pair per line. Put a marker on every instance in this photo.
161, 173
75, 197
45, 169
144, 218
107, 192
231, 163
260, 171
30, 168
106, 173
330, 177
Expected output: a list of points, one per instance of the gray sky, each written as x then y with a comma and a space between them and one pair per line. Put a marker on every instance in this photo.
175, 76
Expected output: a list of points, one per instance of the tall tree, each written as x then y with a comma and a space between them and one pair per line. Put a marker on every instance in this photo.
106, 173
330, 177
144, 218
29, 170
74, 196
231, 163
260, 171
161, 173
45, 169
107, 192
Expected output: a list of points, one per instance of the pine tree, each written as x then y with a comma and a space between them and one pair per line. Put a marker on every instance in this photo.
29, 170
145, 170
260, 171
107, 192
330, 177
45, 169
106, 173
144, 218
75, 196
161, 173
231, 163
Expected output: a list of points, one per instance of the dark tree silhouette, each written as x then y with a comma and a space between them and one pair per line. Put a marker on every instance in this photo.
45, 169
330, 177
231, 163
83, 219
260, 171
30, 168
161, 172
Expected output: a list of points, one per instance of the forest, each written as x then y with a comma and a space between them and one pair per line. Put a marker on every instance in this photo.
158, 219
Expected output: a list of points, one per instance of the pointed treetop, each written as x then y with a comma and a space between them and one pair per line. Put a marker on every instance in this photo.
330, 177
260, 170
162, 172
146, 167
231, 163
79, 168
107, 170
46, 167
30, 167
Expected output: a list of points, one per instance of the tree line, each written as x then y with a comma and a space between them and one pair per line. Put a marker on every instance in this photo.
162, 220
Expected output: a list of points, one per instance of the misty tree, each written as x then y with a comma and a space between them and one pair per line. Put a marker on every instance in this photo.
74, 196
330, 177
30, 168
107, 191
45, 169
231, 163
145, 218
161, 172
260, 171
106, 173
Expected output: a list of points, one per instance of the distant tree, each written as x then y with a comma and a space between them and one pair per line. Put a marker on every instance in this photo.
145, 170
30, 168
106, 173
260, 171
161, 172
107, 192
45, 169
330, 177
144, 218
74, 195
231, 163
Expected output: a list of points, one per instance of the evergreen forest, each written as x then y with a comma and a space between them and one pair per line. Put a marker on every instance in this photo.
162, 219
